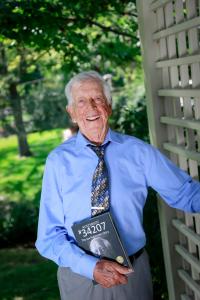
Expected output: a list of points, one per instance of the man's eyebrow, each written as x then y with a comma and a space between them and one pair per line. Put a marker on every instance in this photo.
80, 97
99, 96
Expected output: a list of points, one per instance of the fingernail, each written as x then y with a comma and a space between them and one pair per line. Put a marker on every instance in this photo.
130, 270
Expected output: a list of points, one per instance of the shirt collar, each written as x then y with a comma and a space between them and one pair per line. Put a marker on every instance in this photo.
82, 142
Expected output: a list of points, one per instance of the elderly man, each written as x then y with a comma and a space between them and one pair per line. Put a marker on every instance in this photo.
95, 171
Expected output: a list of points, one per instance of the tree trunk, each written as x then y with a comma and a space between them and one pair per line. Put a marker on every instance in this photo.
3, 61
19, 125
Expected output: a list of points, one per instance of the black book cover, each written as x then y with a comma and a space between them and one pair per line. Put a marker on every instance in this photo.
98, 236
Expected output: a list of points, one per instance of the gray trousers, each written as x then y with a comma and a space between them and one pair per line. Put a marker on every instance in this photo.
76, 287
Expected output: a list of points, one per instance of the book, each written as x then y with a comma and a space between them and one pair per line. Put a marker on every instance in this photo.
98, 236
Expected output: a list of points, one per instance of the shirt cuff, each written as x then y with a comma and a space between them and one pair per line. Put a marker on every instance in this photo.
86, 265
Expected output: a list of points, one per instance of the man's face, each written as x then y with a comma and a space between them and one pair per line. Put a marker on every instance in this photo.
90, 110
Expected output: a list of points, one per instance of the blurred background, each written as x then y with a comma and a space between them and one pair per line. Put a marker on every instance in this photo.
43, 44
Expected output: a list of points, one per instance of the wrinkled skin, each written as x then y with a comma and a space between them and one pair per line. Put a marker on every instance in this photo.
109, 273
90, 110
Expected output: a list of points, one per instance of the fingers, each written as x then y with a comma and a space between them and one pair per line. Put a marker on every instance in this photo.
121, 269
112, 280
109, 273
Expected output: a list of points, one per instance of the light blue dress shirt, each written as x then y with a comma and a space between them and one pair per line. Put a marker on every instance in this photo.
133, 166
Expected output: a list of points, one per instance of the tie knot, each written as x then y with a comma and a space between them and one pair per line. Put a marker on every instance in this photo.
99, 150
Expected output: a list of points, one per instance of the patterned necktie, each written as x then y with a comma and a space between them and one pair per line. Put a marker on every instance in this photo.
100, 183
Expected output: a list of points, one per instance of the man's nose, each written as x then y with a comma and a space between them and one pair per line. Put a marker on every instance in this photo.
92, 102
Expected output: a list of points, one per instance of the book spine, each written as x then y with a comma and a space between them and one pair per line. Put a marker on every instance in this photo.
119, 239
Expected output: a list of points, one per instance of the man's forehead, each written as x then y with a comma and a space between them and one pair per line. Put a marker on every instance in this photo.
87, 84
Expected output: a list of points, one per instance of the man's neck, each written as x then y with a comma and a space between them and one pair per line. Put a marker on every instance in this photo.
97, 142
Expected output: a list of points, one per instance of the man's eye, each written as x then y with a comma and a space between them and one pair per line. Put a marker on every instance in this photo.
81, 101
98, 99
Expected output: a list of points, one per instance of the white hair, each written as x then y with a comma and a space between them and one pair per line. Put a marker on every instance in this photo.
86, 76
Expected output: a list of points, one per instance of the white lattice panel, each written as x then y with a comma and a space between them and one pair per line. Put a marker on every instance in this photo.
176, 43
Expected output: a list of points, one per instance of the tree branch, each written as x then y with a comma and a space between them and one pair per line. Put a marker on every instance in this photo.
92, 22
124, 13
110, 29
31, 81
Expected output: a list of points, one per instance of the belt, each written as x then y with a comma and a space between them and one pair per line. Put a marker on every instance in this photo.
136, 255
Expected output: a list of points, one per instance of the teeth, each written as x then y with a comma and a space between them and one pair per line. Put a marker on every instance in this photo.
92, 118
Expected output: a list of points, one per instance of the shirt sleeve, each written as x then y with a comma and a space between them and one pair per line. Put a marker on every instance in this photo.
174, 185
53, 241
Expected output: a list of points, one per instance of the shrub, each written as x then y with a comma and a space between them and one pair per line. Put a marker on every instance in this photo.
131, 118
18, 223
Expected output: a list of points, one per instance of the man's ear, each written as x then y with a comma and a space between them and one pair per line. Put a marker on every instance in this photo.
70, 111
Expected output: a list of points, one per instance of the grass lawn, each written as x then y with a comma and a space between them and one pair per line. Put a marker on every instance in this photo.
20, 178
25, 275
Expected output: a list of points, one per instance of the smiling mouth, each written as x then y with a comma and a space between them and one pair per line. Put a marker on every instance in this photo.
94, 118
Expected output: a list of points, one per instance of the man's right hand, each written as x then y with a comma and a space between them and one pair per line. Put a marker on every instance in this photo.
108, 273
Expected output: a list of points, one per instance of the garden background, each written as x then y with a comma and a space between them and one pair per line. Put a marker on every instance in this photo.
43, 44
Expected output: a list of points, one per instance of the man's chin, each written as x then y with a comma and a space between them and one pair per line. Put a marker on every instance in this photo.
96, 137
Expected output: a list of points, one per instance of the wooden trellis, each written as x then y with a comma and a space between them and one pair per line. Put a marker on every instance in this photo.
170, 40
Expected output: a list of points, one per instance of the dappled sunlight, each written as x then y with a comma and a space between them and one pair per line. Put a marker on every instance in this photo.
21, 177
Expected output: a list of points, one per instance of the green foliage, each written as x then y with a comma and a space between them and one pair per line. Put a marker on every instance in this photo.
84, 35
24, 274
20, 186
77, 28
38, 38
43, 101
131, 119
154, 246
129, 114
20, 178
18, 223
46, 107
